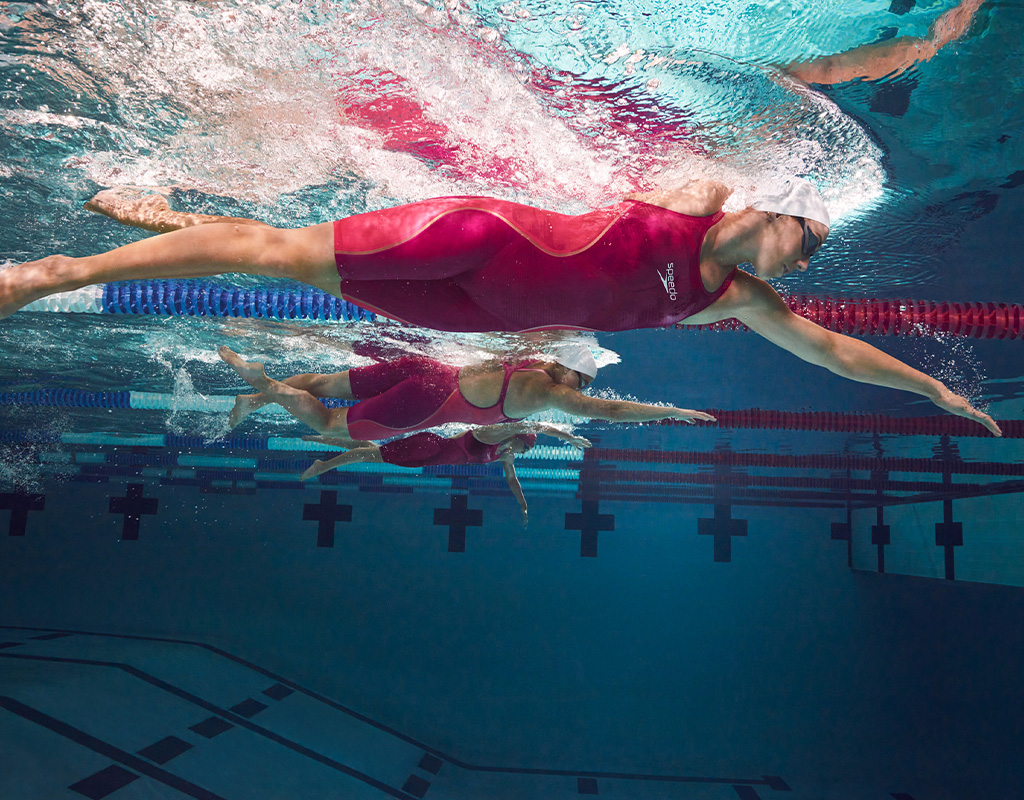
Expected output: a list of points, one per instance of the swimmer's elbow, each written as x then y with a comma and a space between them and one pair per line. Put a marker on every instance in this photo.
836, 353
611, 410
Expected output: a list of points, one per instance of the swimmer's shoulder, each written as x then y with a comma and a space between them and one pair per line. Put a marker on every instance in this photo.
698, 198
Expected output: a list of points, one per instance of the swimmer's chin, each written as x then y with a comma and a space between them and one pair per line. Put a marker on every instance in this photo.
772, 274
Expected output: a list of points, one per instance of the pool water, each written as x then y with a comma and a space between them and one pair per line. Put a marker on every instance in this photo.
818, 597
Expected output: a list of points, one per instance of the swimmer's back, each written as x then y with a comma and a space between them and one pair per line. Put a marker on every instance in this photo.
480, 264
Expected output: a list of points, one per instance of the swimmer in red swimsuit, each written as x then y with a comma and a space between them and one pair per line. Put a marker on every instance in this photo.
484, 264
413, 394
477, 446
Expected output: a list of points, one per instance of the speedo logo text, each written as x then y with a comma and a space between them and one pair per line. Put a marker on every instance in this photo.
668, 280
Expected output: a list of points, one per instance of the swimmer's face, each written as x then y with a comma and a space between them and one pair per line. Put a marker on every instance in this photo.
787, 245
575, 380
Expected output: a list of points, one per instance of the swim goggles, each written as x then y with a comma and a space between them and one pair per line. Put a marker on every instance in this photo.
810, 243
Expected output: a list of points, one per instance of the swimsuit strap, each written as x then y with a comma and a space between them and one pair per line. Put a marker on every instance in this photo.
510, 370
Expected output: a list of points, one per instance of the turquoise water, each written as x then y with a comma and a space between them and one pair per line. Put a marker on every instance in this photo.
706, 611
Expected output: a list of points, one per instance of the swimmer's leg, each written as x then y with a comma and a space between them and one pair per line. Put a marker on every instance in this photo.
365, 452
336, 384
301, 254
149, 209
299, 403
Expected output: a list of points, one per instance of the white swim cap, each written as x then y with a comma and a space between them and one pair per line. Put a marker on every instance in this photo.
798, 198
576, 357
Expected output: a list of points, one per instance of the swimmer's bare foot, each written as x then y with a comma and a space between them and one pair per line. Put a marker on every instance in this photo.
147, 207
141, 207
9, 294
317, 468
245, 404
358, 452
25, 283
251, 372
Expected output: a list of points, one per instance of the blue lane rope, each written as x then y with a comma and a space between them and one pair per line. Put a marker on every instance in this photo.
75, 398
294, 445
192, 299
202, 299
161, 401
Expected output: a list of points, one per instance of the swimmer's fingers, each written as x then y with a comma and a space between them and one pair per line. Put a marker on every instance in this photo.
991, 424
983, 419
690, 415
955, 404
580, 442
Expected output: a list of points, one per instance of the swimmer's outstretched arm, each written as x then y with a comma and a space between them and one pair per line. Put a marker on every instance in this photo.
496, 434
754, 303
571, 401
875, 61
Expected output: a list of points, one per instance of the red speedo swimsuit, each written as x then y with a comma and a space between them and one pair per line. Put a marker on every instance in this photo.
480, 264
411, 394
428, 449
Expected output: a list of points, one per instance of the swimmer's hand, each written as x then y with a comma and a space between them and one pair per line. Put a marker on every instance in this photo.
578, 441
955, 404
526, 518
688, 415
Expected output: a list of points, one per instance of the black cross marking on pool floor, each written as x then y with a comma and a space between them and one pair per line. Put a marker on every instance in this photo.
880, 533
948, 534
843, 531
458, 517
589, 523
723, 527
19, 505
327, 512
133, 505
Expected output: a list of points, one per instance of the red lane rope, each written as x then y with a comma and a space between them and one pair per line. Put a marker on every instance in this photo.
743, 479
935, 425
825, 461
872, 316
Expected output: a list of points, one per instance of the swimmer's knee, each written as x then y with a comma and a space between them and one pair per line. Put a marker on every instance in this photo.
337, 424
